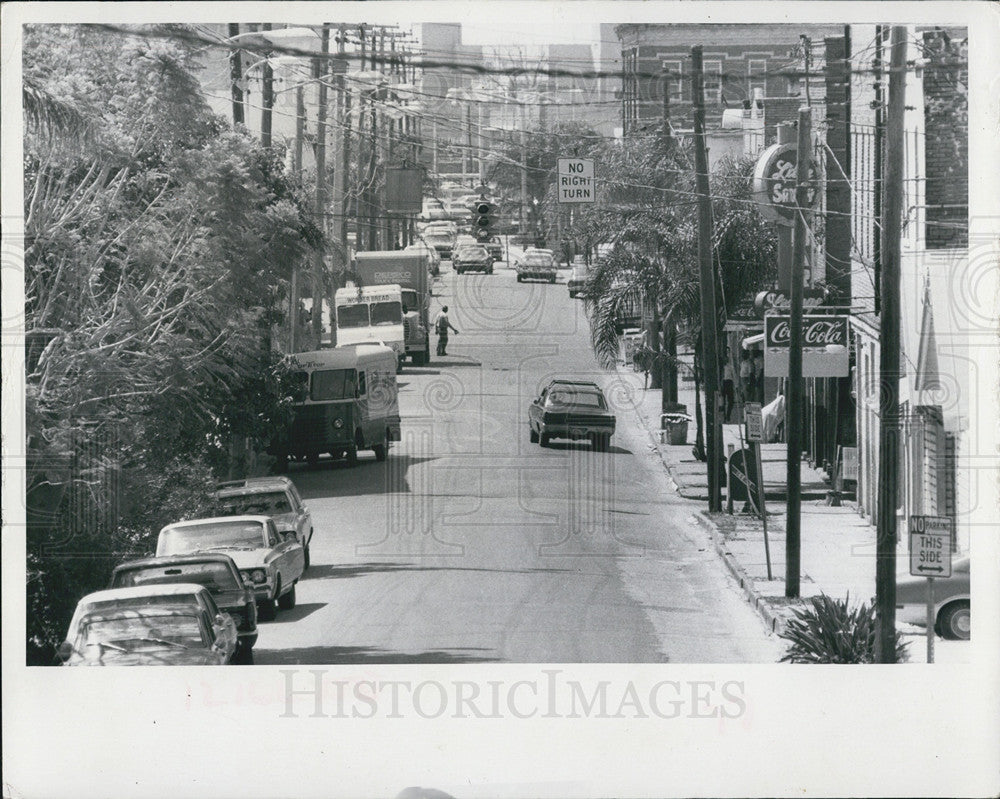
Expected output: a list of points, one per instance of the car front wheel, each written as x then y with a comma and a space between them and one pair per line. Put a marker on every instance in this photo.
287, 600
543, 439
532, 435
955, 621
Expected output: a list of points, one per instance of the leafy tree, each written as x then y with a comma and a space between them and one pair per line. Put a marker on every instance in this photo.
157, 249
648, 200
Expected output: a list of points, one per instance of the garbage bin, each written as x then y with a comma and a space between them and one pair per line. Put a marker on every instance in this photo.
674, 428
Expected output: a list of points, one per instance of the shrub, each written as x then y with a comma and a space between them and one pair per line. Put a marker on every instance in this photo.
829, 631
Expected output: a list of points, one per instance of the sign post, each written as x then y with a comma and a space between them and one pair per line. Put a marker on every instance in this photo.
930, 557
753, 419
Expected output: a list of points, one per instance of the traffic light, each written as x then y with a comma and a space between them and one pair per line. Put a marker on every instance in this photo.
483, 220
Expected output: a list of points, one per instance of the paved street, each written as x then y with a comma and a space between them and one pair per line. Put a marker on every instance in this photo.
471, 544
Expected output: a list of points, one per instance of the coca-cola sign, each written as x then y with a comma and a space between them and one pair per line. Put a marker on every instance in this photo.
825, 350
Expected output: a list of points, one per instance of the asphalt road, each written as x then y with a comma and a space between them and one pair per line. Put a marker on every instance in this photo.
470, 544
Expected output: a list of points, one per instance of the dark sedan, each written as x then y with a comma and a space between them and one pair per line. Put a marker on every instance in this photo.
216, 572
472, 258
573, 410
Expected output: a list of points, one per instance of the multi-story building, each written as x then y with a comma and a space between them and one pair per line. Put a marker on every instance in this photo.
737, 61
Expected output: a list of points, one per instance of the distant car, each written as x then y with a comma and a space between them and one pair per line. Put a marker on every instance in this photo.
952, 610
271, 563
442, 240
215, 572
472, 257
577, 280
276, 497
464, 240
138, 602
434, 260
495, 248
574, 410
158, 635
536, 265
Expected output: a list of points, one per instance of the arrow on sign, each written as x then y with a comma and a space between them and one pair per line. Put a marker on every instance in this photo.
930, 568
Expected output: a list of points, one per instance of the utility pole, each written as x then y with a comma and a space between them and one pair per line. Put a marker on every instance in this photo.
889, 322
668, 374
267, 95
709, 317
342, 139
319, 267
793, 406
236, 76
345, 170
293, 298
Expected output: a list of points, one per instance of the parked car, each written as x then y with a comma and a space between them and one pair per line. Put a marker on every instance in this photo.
271, 563
577, 280
433, 259
215, 572
536, 265
952, 610
276, 497
472, 257
137, 602
574, 410
157, 635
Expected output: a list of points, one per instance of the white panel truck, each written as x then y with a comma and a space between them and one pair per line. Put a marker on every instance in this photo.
371, 315
411, 271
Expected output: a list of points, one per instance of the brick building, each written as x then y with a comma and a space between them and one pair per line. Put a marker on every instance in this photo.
737, 60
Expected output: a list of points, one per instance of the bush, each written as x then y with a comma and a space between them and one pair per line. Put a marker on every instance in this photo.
830, 632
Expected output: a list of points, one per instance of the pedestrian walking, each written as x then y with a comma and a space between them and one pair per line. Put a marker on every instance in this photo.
441, 326
728, 386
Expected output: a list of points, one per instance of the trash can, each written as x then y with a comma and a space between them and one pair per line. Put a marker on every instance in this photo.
674, 428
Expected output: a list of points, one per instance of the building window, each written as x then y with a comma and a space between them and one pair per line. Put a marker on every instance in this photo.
675, 83
756, 76
713, 81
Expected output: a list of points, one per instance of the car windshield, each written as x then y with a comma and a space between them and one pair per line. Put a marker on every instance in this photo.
472, 252
583, 399
138, 631
333, 384
353, 315
214, 535
213, 575
387, 313
256, 504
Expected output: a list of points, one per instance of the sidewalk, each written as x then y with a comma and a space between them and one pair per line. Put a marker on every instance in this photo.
837, 555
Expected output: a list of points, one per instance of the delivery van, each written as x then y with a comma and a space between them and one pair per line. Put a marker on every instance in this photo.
346, 401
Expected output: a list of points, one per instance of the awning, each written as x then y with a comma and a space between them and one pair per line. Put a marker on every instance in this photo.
753, 341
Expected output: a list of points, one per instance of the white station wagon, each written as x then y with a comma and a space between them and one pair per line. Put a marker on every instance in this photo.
270, 563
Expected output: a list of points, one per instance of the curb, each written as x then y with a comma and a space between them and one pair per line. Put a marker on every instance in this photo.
774, 622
